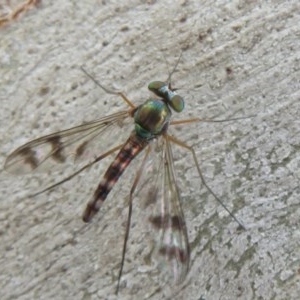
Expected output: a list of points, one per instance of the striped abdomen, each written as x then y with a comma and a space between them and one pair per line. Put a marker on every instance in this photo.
133, 146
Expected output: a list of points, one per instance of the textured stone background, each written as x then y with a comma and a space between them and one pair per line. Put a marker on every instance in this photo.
240, 58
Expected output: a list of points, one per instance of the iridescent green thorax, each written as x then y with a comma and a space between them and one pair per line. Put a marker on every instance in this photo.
152, 118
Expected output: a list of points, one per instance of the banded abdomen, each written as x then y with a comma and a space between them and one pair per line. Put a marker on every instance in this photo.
133, 146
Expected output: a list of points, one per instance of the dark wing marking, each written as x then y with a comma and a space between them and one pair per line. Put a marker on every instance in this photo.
79, 143
172, 246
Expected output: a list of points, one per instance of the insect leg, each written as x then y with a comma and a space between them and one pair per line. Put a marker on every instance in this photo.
78, 171
193, 120
108, 91
191, 149
132, 190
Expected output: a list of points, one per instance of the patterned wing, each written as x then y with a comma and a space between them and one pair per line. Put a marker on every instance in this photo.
75, 144
172, 246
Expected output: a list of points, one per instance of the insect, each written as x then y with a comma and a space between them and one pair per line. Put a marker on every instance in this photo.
150, 123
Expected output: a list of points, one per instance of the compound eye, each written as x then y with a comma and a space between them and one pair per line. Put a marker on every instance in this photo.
157, 87
177, 103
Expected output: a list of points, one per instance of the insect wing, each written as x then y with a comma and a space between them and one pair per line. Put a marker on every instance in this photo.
172, 246
76, 144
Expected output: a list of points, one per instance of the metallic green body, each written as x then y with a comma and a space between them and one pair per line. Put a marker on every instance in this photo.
152, 118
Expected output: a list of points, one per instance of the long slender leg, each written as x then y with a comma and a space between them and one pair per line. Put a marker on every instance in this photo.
100, 157
132, 190
191, 149
108, 91
193, 120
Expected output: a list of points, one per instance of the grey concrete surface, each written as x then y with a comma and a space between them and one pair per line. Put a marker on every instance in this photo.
239, 59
